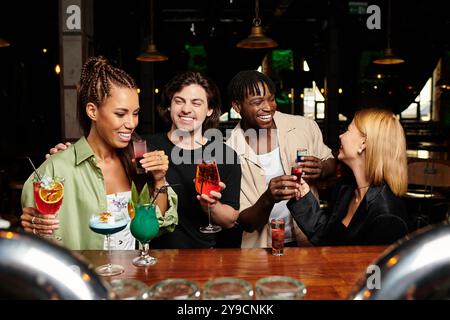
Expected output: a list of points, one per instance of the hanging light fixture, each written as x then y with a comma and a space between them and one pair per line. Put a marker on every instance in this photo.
257, 39
4, 43
151, 54
389, 57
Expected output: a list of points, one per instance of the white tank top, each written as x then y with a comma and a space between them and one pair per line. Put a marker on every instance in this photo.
271, 163
122, 240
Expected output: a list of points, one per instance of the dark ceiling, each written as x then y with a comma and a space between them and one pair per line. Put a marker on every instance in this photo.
419, 30
312, 28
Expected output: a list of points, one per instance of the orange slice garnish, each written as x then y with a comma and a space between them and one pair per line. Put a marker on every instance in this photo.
131, 210
52, 195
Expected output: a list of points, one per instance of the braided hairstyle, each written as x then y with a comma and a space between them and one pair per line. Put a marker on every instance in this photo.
246, 83
98, 77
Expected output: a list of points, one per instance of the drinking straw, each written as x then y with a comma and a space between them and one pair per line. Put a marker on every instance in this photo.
163, 189
35, 170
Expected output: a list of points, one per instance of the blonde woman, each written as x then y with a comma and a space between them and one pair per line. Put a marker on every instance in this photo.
368, 210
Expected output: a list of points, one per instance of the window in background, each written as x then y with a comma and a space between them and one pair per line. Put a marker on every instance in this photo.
313, 102
421, 107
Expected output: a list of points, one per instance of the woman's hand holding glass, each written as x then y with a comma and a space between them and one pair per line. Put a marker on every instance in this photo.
156, 162
48, 193
302, 189
36, 223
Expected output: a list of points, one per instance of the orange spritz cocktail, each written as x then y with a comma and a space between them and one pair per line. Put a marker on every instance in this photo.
207, 178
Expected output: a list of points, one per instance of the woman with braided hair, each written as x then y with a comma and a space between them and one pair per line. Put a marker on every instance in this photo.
98, 168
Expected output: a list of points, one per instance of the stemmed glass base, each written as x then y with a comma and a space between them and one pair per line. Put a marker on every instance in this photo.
210, 228
109, 270
51, 237
144, 259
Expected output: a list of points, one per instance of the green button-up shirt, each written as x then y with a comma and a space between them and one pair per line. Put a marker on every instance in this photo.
84, 194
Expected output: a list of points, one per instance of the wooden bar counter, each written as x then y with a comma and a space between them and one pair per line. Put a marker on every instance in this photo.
327, 272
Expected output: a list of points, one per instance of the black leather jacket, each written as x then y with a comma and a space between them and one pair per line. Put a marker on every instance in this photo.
380, 218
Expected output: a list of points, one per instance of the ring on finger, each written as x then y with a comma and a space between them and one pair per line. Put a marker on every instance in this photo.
32, 220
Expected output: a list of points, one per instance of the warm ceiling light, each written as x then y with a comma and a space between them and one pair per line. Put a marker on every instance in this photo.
151, 54
4, 43
257, 39
443, 83
389, 57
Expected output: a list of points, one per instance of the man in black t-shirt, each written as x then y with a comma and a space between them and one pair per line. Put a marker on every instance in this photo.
190, 104
191, 216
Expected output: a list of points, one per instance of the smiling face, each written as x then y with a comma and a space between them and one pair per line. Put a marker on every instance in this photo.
257, 110
115, 120
351, 141
189, 108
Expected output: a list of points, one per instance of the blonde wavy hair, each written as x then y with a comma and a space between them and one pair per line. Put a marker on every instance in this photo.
386, 159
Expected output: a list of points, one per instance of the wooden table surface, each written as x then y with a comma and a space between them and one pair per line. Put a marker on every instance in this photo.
327, 272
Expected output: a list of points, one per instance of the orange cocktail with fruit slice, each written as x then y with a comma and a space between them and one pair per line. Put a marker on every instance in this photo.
48, 195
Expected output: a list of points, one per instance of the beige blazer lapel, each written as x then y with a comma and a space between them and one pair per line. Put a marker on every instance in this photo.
284, 129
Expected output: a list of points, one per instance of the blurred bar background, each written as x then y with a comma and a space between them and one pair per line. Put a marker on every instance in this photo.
321, 54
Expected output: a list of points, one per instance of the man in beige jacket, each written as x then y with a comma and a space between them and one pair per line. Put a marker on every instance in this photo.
266, 142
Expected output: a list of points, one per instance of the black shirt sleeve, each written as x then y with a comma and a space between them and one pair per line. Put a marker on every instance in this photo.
311, 219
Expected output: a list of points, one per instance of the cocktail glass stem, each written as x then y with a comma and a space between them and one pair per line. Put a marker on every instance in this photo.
209, 216
144, 259
144, 251
108, 243
109, 269
210, 228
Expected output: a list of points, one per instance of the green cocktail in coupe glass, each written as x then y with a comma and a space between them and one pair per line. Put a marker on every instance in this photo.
144, 227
